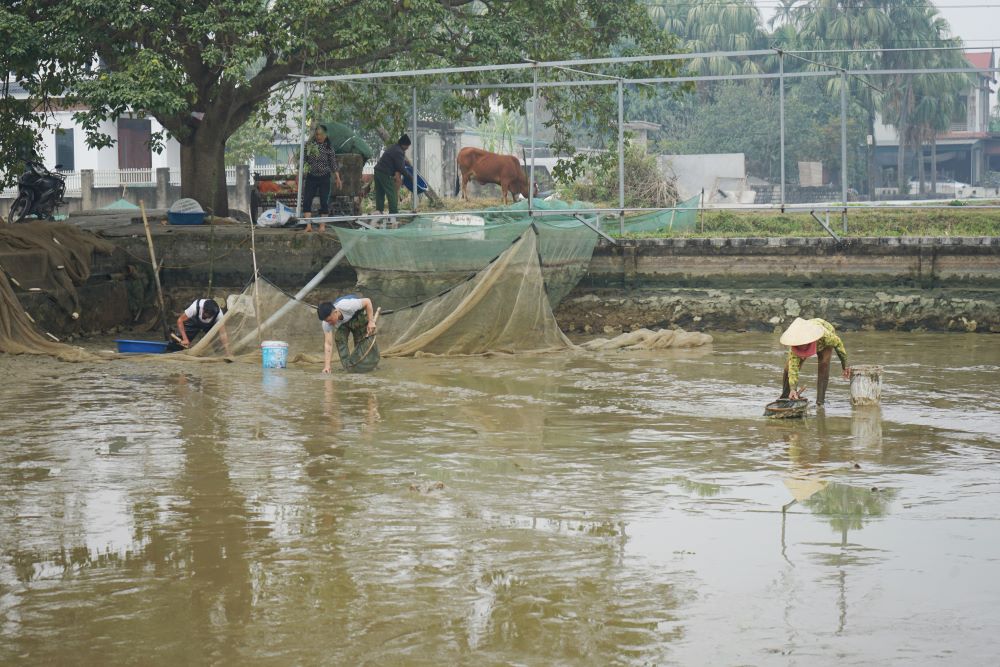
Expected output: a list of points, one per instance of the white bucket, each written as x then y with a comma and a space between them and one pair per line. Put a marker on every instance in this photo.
866, 385
274, 353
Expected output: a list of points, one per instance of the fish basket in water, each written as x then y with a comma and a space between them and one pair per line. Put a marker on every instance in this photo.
786, 408
866, 385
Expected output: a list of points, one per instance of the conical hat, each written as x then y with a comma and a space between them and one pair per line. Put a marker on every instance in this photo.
802, 332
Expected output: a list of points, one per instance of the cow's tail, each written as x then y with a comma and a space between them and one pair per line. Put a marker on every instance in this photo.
458, 185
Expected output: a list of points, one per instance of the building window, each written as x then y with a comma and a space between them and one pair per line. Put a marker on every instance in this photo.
64, 149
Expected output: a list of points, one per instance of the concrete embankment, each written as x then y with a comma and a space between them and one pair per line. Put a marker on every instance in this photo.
934, 284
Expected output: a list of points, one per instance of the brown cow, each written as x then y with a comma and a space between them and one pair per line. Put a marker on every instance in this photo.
486, 167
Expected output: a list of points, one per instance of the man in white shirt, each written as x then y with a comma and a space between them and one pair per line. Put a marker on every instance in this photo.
196, 319
348, 316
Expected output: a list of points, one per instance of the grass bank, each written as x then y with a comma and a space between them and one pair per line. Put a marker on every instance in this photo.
861, 221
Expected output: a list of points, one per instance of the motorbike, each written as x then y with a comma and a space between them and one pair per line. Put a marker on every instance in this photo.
39, 193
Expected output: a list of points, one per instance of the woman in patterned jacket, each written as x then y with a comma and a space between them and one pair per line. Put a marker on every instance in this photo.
804, 339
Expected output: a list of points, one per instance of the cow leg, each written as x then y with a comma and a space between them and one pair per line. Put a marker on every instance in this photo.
465, 186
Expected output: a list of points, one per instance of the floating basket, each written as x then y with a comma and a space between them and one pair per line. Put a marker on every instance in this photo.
786, 408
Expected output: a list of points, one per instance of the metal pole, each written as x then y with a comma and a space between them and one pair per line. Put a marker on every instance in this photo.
781, 120
302, 151
416, 178
621, 156
843, 145
534, 131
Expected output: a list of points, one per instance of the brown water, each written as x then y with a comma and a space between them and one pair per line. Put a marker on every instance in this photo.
617, 509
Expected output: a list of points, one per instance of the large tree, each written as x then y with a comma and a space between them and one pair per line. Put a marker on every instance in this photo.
36, 64
201, 67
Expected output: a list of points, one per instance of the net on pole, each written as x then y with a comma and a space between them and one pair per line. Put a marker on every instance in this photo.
503, 308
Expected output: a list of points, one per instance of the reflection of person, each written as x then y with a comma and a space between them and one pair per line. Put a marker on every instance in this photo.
321, 161
198, 318
804, 339
347, 316
389, 175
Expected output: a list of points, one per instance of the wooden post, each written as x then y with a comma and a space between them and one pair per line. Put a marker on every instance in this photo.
156, 272
866, 385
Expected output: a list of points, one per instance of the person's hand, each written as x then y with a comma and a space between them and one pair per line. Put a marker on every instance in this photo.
793, 395
185, 342
371, 328
846, 374
326, 369
339, 182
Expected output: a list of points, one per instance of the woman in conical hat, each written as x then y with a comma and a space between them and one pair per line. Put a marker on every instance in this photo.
806, 338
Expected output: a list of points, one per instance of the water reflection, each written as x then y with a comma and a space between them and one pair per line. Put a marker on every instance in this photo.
617, 509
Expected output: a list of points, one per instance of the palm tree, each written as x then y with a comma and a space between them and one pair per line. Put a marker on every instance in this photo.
848, 24
919, 105
785, 14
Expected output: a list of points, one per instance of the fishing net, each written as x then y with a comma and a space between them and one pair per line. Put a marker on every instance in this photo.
398, 267
645, 339
54, 259
503, 308
683, 217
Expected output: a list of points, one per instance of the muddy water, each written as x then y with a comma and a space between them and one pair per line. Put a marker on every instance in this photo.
618, 509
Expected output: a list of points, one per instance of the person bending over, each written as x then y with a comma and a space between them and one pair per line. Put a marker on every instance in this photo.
198, 318
348, 316
807, 338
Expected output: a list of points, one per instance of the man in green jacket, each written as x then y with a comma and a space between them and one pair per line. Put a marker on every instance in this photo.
389, 175
804, 339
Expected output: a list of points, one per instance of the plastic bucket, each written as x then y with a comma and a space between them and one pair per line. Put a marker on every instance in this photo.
274, 353
866, 385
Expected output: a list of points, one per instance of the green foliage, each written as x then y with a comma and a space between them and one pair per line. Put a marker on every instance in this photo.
499, 132
33, 54
646, 186
203, 69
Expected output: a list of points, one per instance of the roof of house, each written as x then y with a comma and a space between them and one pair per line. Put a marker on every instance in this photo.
980, 59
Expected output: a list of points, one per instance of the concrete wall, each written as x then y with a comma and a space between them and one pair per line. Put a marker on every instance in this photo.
789, 262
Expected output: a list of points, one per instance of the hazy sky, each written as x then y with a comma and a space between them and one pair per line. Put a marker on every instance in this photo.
977, 22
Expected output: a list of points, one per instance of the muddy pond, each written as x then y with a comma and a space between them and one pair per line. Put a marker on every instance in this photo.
566, 509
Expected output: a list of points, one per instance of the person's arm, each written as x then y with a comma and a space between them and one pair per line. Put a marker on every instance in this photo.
838, 347
370, 312
327, 350
335, 168
182, 331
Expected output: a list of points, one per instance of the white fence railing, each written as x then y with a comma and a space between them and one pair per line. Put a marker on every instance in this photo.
113, 178
144, 178
73, 188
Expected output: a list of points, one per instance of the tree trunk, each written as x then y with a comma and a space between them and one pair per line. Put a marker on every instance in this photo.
203, 169
934, 162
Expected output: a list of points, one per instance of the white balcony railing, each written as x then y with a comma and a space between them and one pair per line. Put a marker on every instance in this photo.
115, 178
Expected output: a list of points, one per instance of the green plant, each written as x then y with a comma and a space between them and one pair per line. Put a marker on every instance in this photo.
646, 185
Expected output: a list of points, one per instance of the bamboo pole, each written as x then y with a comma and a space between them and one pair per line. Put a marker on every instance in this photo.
156, 272
256, 281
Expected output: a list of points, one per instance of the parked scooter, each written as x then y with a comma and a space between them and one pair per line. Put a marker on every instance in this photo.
39, 193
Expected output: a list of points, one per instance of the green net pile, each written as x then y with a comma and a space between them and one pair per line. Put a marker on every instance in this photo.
683, 217
400, 267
